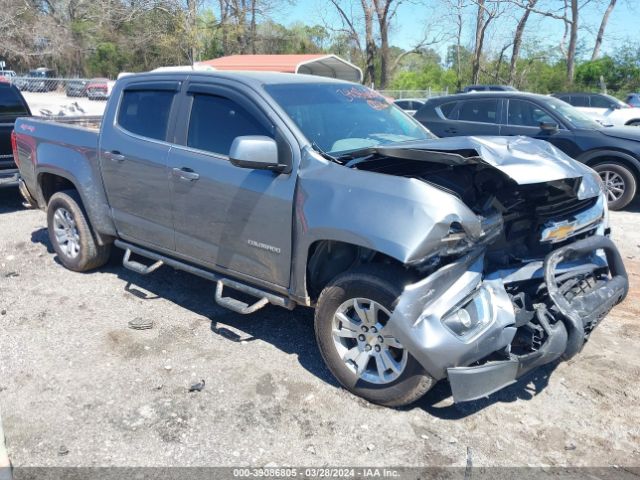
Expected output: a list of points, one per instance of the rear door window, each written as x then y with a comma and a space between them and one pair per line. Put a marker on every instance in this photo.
526, 114
579, 100
479, 110
216, 121
11, 104
146, 112
447, 110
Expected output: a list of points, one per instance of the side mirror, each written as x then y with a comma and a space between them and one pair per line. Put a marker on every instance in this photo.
549, 127
614, 106
255, 151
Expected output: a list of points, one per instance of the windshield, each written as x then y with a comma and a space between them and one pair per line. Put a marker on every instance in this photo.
40, 73
570, 114
341, 117
616, 101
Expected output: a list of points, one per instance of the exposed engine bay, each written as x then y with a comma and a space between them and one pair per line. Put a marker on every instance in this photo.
528, 292
523, 210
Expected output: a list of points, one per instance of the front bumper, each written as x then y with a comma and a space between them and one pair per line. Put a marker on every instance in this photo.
481, 361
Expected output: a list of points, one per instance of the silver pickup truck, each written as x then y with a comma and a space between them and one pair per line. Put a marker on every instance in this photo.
475, 259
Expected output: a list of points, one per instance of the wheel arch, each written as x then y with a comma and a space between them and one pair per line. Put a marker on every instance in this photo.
600, 156
327, 258
51, 181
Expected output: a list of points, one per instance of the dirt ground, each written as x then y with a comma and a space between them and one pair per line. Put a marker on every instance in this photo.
78, 387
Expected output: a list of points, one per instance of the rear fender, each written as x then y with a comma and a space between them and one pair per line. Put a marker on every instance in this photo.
80, 167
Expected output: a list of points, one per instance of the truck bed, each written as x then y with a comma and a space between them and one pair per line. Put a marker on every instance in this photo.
87, 122
68, 141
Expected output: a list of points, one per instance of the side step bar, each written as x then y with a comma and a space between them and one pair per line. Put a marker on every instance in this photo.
137, 266
236, 305
233, 304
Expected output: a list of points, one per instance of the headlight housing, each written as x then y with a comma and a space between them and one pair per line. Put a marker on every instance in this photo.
472, 315
590, 186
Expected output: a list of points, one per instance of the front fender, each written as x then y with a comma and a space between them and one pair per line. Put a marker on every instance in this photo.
403, 218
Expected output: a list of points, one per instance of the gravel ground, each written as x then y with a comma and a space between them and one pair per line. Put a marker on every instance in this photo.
78, 387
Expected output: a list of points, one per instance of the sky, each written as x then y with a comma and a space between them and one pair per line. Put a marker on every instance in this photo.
412, 18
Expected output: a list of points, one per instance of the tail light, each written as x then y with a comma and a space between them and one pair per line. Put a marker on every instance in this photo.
14, 147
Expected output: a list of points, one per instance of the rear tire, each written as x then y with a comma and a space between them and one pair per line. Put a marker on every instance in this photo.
620, 183
389, 376
71, 235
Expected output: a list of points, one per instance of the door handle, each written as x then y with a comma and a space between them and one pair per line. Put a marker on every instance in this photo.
451, 130
115, 155
186, 174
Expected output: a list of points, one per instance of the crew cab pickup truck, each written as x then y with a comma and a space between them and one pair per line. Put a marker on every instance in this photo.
474, 259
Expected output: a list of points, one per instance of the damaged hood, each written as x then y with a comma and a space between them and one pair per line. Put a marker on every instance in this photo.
523, 159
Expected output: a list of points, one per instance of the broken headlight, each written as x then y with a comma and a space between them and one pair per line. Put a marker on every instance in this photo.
472, 315
456, 242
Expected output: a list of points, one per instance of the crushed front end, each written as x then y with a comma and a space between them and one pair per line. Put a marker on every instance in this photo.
528, 291
522, 284
482, 330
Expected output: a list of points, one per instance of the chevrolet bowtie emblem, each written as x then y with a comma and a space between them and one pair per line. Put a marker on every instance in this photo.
558, 233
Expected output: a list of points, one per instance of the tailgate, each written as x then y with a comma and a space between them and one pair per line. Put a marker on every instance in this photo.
6, 155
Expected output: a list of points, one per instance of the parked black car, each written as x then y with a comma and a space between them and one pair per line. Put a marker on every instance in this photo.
613, 152
39, 80
488, 88
589, 100
12, 106
76, 88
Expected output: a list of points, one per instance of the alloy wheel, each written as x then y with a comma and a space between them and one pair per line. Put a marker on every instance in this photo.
66, 232
362, 341
613, 183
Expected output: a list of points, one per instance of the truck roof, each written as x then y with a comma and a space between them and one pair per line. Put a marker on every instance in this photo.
247, 77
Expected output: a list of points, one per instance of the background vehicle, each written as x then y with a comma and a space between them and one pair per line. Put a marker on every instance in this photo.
488, 88
633, 100
613, 152
12, 106
603, 108
300, 190
410, 105
98, 89
39, 80
7, 75
76, 88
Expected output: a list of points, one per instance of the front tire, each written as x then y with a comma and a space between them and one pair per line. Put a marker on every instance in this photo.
350, 320
71, 235
620, 183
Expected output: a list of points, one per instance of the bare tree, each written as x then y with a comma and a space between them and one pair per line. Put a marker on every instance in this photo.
573, 42
517, 39
385, 12
486, 13
603, 26
570, 17
353, 25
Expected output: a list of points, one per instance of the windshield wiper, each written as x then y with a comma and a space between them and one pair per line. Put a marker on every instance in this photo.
326, 155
